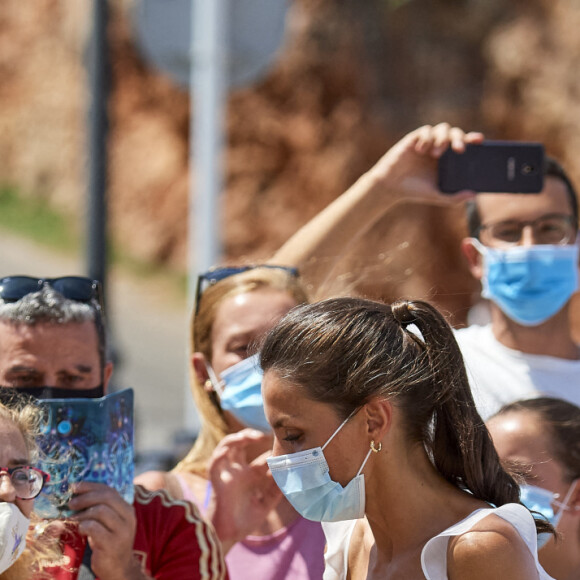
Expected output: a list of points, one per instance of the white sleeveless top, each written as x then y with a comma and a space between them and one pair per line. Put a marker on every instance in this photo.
434, 553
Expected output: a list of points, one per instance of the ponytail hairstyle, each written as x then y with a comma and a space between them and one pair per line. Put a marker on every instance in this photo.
345, 351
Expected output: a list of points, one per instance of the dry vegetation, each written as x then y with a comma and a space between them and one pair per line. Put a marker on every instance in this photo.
354, 76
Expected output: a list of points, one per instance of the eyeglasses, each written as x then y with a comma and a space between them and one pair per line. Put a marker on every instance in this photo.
555, 229
215, 275
78, 288
27, 481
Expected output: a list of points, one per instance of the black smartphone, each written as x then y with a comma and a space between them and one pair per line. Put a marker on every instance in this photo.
493, 166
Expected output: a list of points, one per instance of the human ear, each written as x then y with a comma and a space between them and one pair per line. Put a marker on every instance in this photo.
473, 256
107, 373
199, 366
574, 502
379, 418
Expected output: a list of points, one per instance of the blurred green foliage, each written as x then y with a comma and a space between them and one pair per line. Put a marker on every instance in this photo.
35, 219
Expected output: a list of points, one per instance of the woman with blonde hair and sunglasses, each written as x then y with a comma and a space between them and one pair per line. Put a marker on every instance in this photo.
265, 536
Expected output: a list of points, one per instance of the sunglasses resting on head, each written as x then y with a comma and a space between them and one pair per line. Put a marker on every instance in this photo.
78, 288
215, 275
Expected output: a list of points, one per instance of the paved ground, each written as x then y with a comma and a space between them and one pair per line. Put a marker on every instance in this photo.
149, 324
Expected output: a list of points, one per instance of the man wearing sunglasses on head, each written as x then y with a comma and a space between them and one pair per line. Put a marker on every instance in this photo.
52, 345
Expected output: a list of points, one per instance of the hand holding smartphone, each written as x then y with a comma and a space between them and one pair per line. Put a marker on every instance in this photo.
493, 166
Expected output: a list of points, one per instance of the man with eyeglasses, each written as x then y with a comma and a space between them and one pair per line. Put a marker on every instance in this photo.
522, 247
52, 345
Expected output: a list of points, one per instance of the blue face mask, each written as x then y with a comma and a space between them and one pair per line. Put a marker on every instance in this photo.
543, 501
240, 392
305, 482
530, 284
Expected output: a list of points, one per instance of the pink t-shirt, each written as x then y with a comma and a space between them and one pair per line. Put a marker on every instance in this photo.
295, 552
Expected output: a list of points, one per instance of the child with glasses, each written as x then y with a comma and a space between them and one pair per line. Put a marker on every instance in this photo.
540, 440
235, 308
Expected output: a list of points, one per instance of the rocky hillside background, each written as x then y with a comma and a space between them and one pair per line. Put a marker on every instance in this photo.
353, 77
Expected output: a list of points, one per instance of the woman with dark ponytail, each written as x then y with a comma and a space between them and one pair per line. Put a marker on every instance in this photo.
377, 436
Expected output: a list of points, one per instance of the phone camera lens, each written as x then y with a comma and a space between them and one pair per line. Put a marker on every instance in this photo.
528, 169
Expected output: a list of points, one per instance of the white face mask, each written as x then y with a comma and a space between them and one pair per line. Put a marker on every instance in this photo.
13, 528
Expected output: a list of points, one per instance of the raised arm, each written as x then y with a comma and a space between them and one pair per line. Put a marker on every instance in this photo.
244, 490
408, 171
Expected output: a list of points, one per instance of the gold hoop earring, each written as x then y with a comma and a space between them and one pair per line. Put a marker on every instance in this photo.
208, 385
376, 449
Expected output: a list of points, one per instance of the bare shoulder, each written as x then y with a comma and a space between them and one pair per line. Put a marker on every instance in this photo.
153, 480
197, 484
491, 549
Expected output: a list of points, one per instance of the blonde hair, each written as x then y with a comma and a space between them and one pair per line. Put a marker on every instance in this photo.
42, 545
25, 416
213, 424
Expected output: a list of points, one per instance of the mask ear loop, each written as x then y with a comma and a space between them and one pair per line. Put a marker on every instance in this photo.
563, 505
217, 384
339, 428
478, 246
364, 462
484, 253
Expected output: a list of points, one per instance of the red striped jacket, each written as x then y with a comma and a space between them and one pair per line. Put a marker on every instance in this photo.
172, 542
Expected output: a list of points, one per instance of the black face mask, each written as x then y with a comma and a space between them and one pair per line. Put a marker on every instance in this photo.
8, 394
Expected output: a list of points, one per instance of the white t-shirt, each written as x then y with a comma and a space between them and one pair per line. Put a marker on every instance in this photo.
501, 375
434, 553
